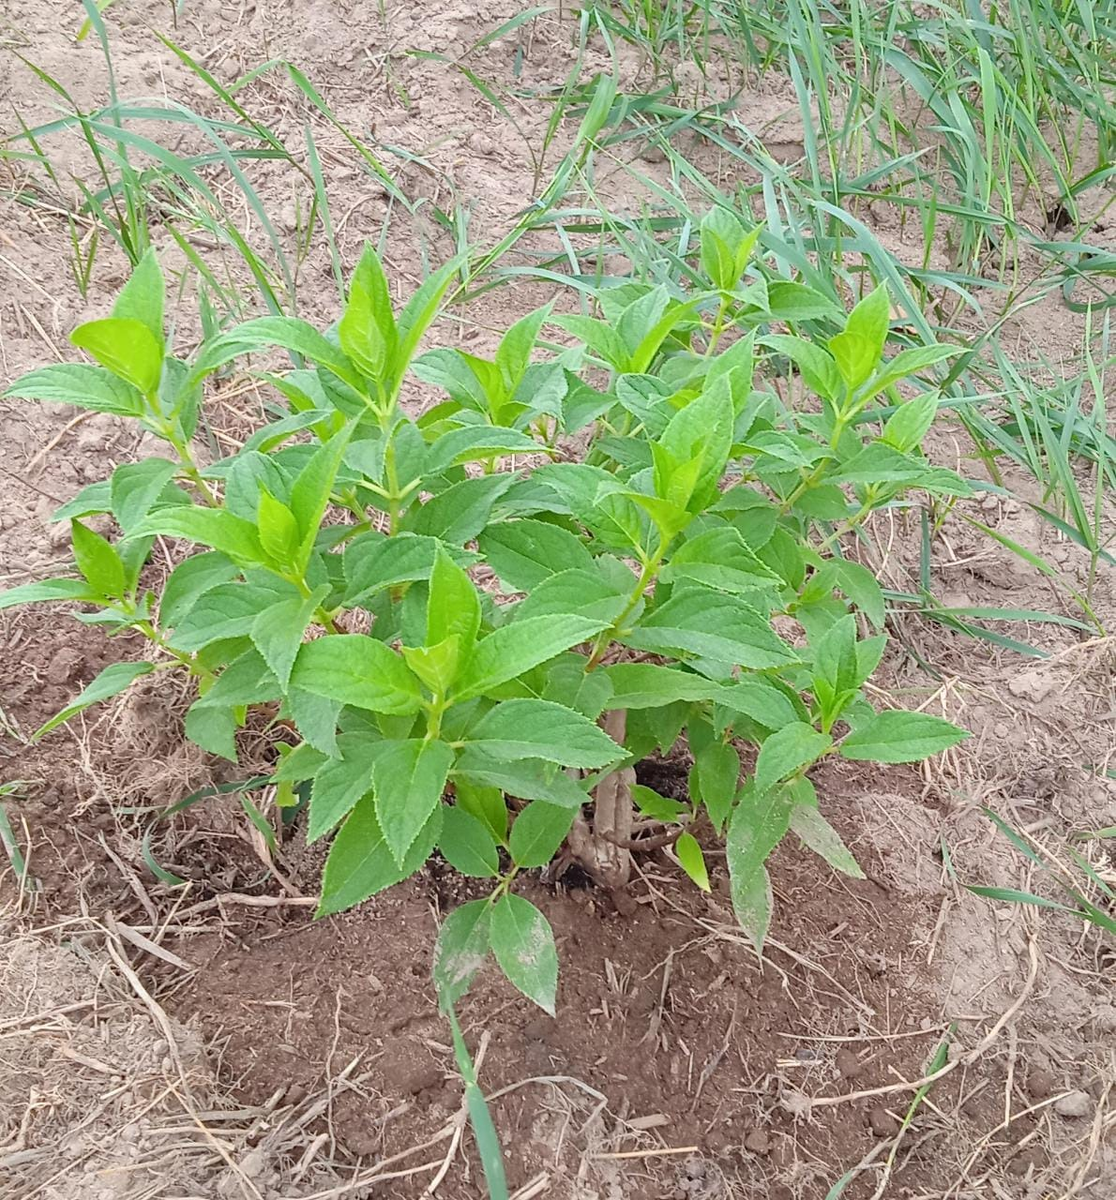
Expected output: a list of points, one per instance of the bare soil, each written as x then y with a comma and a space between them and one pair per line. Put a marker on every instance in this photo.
680, 1065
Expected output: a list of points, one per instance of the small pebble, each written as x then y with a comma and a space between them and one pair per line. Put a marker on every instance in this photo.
758, 1141
1040, 1083
1075, 1105
848, 1065
881, 1122
481, 143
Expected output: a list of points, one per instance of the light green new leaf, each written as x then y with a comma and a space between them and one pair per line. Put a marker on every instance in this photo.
692, 860
125, 347
516, 729
453, 606
358, 670
98, 561
113, 680
278, 531
895, 736
538, 832
860, 347
367, 328
311, 491
789, 750
143, 297
408, 779
461, 949
513, 649
523, 943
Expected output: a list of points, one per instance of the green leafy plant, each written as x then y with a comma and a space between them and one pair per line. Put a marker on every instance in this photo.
678, 576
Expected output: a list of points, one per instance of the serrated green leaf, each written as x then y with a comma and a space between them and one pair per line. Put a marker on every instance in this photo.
408, 779
897, 737
523, 943
711, 625
458, 514
517, 729
135, 487
340, 783
528, 779
277, 632
477, 443
114, 679
214, 527
761, 701
47, 590
715, 778
373, 566
78, 383
360, 863
487, 804
910, 422
468, 845
98, 561
225, 610
863, 589
648, 685
584, 593
213, 728
358, 670
658, 808
461, 949
788, 750
538, 833
513, 649
758, 825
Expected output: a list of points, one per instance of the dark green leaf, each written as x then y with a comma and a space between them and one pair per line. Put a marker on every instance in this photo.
360, 863
895, 736
357, 670
711, 625
77, 383
467, 844
788, 751
408, 779
513, 649
538, 833
517, 729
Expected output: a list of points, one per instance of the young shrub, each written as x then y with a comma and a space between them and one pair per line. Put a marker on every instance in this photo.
680, 578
